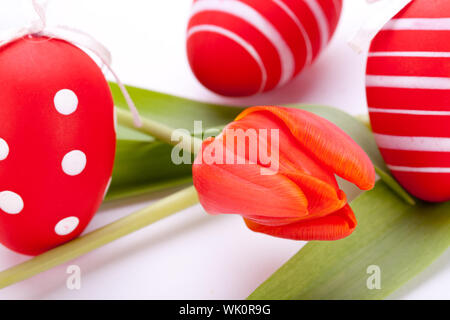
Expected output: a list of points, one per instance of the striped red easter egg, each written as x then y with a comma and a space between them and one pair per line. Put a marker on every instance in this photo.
408, 94
243, 47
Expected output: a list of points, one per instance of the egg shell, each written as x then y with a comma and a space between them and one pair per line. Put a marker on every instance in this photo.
408, 95
57, 142
243, 47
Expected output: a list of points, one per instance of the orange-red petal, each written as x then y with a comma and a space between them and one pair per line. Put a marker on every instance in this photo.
241, 189
323, 198
330, 145
293, 156
335, 226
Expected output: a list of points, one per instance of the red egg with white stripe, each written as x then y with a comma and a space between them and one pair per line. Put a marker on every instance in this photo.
408, 94
57, 142
244, 47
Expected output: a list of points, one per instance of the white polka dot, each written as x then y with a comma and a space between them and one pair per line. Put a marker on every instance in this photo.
74, 162
66, 101
107, 187
4, 149
66, 226
11, 202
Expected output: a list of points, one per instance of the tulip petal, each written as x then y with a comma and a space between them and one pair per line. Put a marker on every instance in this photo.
326, 142
323, 198
241, 189
335, 226
293, 157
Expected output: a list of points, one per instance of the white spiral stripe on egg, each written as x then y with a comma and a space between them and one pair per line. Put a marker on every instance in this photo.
244, 44
410, 112
419, 169
256, 20
408, 82
322, 21
437, 24
412, 54
427, 144
299, 24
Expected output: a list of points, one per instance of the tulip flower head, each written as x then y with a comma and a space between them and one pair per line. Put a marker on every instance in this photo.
276, 168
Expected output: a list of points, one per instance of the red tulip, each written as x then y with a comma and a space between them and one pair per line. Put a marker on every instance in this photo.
295, 195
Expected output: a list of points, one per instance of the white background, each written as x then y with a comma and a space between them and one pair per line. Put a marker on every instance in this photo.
190, 255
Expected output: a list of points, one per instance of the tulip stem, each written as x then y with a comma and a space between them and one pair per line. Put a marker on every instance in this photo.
100, 237
160, 131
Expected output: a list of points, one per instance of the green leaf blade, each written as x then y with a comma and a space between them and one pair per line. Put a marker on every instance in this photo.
144, 165
173, 111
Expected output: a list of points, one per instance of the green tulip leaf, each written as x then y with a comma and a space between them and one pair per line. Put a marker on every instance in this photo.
174, 111
393, 239
144, 165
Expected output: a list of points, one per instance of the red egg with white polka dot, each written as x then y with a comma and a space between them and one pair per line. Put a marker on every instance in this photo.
408, 94
57, 142
244, 47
